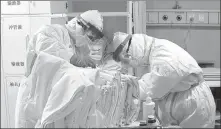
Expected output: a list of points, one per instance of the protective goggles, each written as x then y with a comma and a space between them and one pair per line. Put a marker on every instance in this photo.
90, 30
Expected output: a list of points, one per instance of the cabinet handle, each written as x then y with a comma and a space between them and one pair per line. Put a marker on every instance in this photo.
66, 5
27, 40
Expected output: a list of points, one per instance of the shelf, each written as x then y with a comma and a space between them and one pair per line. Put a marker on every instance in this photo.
181, 10
120, 14
182, 25
110, 14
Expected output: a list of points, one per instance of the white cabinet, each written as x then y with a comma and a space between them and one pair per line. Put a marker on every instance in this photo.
14, 7
33, 7
15, 30
12, 84
48, 7
4, 115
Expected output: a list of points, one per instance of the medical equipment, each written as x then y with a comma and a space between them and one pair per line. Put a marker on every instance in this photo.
148, 108
151, 123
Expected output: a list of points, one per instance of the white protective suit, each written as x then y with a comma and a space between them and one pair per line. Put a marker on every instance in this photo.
66, 97
55, 93
175, 82
60, 40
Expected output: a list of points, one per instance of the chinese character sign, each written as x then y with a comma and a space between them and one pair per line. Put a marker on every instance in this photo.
14, 3
14, 83
15, 27
17, 64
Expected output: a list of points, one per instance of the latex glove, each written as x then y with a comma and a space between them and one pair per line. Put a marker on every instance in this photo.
103, 77
82, 62
100, 81
143, 94
125, 77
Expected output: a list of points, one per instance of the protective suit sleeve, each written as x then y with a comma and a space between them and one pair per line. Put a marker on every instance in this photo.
49, 40
158, 83
47, 44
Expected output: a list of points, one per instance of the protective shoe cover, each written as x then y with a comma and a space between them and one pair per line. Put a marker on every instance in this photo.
173, 71
66, 96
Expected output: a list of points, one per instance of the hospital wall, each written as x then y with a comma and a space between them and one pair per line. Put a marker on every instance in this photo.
203, 42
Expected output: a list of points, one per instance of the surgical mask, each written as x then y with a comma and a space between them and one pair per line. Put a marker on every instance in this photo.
96, 50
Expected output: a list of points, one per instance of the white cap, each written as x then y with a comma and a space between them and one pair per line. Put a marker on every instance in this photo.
93, 17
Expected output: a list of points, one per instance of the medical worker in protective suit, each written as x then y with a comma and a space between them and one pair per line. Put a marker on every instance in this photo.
72, 42
175, 81
69, 41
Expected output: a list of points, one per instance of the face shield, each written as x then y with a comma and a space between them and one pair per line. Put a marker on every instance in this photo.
90, 30
94, 38
123, 54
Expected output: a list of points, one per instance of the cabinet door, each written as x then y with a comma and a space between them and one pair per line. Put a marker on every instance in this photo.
4, 107
15, 30
37, 22
12, 84
48, 7
59, 6
60, 20
14, 7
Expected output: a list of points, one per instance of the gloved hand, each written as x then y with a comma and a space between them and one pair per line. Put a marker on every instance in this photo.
100, 81
103, 77
126, 77
82, 62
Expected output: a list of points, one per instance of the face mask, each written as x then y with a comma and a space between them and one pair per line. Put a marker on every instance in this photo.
96, 50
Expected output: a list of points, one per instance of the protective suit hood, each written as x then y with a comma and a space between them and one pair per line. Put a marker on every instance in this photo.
92, 16
139, 48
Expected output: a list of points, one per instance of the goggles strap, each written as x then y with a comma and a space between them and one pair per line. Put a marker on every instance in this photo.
128, 47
